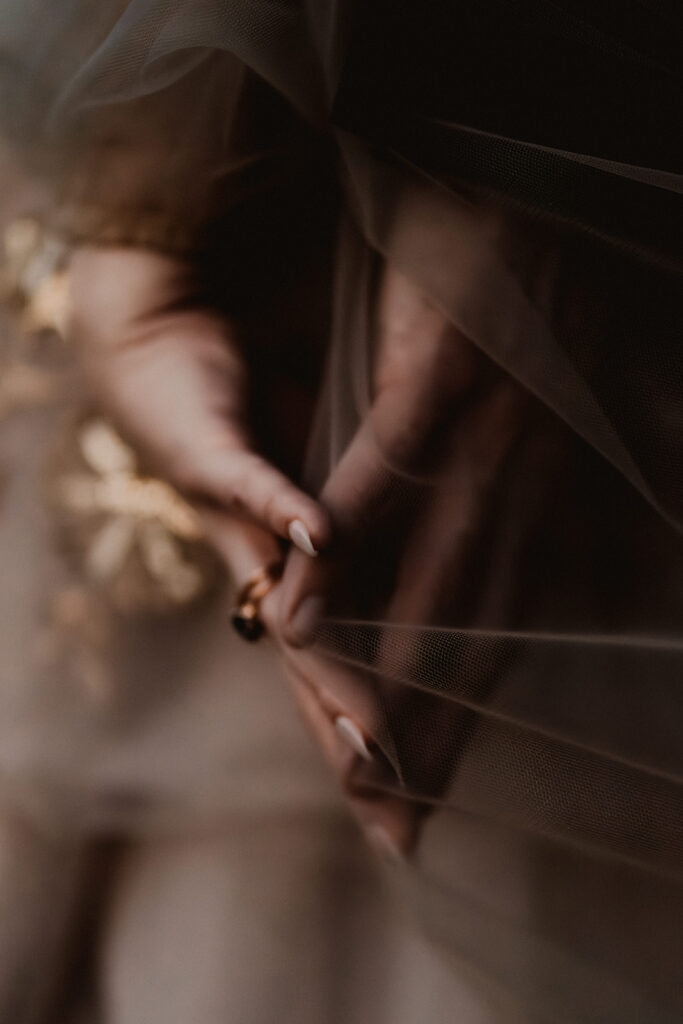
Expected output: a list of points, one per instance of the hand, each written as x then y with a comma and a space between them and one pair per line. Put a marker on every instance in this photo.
171, 374
442, 415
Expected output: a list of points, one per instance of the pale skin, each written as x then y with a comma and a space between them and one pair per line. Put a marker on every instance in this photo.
174, 378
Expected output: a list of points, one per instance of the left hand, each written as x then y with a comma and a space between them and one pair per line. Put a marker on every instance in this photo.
437, 399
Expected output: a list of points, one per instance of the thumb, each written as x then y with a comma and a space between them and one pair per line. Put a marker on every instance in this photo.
246, 486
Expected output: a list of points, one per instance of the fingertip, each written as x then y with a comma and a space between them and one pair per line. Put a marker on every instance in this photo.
311, 531
299, 628
299, 535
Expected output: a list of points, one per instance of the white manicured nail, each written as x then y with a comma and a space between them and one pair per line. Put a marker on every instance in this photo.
300, 536
352, 735
383, 845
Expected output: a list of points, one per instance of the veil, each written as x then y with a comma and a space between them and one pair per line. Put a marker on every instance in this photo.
522, 164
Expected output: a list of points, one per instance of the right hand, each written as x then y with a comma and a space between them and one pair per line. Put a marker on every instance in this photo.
438, 405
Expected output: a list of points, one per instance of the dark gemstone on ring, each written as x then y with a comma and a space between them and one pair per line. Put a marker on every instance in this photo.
247, 623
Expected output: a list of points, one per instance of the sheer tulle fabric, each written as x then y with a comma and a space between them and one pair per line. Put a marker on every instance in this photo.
520, 638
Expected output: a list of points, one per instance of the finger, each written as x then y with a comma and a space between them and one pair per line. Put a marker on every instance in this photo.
430, 585
364, 486
387, 822
360, 491
432, 563
343, 692
246, 486
244, 549
425, 369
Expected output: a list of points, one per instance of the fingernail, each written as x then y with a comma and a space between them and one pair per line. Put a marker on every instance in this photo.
351, 734
301, 627
300, 536
383, 845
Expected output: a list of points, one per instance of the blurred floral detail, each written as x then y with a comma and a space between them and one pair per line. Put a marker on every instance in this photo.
34, 286
134, 535
33, 275
134, 542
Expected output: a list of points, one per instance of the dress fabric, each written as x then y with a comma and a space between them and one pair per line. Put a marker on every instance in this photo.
522, 164
171, 846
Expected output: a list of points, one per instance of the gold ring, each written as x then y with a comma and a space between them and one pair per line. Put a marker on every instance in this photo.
245, 617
